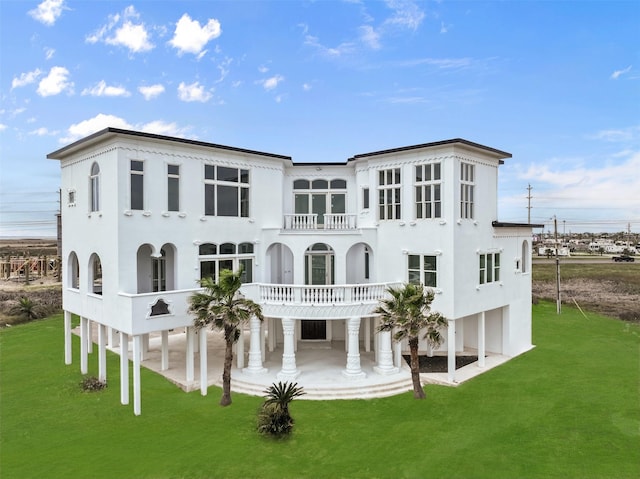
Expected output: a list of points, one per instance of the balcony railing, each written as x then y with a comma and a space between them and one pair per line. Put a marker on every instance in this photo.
309, 222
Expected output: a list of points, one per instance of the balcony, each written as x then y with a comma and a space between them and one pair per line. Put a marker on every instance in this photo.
316, 302
329, 222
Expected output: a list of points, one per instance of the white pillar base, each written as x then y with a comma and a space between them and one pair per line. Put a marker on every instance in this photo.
289, 370
353, 370
385, 365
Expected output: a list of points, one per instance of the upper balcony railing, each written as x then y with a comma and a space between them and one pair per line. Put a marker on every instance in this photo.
309, 222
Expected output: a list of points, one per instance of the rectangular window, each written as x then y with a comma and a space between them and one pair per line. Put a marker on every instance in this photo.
467, 182
226, 191
365, 198
137, 185
173, 187
389, 207
428, 198
422, 269
489, 268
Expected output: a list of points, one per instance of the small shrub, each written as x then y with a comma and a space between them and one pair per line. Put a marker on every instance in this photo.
27, 309
92, 383
273, 416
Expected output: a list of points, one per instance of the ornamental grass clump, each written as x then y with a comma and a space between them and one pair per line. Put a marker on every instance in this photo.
92, 384
273, 416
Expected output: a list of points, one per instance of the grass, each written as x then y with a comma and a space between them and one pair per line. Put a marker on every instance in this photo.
568, 408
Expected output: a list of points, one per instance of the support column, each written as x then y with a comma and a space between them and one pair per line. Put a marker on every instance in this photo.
102, 352
67, 338
189, 353
164, 350
145, 346
289, 371
137, 353
385, 355
271, 334
255, 348
263, 341
451, 351
124, 368
481, 338
203, 361
84, 344
353, 356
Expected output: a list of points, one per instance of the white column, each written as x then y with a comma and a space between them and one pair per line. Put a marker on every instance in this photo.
240, 350
145, 347
271, 334
89, 337
203, 361
102, 352
124, 368
84, 344
481, 338
353, 356
189, 353
263, 340
67, 338
289, 371
451, 351
137, 353
385, 355
255, 348
164, 350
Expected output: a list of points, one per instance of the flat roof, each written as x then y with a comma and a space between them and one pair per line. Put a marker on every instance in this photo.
501, 224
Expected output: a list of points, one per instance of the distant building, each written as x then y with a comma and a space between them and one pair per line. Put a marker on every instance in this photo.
145, 216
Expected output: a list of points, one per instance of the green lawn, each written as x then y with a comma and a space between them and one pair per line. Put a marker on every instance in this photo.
568, 408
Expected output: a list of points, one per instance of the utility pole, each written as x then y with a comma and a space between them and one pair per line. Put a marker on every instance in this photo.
558, 303
529, 204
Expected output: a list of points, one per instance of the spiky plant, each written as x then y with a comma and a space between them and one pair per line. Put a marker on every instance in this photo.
274, 417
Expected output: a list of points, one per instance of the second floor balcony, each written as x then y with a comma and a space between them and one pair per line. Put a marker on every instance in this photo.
319, 222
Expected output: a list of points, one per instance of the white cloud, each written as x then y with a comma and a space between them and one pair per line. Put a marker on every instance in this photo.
272, 82
151, 91
369, 37
48, 53
102, 89
263, 69
190, 37
614, 136
42, 132
306, 86
193, 92
25, 78
618, 73
3, 127
55, 82
48, 11
406, 14
92, 125
159, 127
123, 30
341, 50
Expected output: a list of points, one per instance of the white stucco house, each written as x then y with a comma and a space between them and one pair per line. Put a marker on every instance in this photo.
145, 216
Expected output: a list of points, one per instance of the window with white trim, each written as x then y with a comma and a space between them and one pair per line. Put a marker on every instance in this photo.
94, 187
423, 269
226, 191
173, 187
467, 184
389, 194
137, 185
489, 268
215, 258
428, 191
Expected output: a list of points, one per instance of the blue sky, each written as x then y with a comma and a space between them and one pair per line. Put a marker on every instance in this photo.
557, 84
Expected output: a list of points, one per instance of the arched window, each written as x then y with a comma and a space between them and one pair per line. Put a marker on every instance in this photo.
525, 256
94, 187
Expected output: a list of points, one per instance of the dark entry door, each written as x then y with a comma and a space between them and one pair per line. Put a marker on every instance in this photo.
313, 330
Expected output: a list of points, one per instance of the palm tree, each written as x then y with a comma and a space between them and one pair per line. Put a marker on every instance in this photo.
274, 417
408, 311
222, 307
282, 394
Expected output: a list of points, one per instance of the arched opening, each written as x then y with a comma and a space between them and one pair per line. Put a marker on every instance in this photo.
95, 274
319, 265
73, 271
279, 264
359, 264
